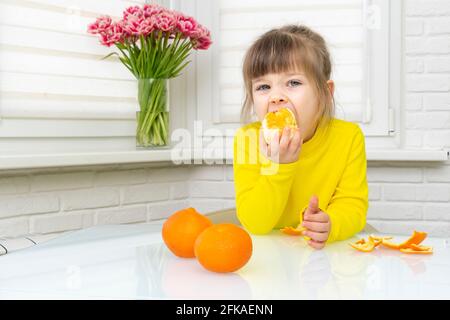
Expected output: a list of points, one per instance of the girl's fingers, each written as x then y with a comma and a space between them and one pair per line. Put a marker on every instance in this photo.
316, 244
282, 147
317, 236
313, 205
316, 217
316, 226
295, 143
274, 145
297, 150
285, 137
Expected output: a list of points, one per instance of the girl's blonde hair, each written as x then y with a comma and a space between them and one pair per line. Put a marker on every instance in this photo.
292, 47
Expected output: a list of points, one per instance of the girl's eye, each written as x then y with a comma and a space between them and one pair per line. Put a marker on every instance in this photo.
262, 87
294, 83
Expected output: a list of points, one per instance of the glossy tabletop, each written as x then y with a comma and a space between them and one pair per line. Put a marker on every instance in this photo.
131, 262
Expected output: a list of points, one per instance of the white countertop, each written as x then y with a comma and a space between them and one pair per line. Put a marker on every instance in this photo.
131, 262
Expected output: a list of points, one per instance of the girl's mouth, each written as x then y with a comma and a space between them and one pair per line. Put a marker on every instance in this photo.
277, 108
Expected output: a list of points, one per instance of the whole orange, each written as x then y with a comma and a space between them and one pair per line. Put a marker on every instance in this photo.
223, 247
181, 229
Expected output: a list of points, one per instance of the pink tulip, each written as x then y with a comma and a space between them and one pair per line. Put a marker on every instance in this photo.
112, 35
166, 21
150, 10
203, 43
143, 21
101, 24
146, 27
186, 25
132, 25
201, 38
133, 12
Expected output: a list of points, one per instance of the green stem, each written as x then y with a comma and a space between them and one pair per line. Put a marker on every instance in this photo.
153, 60
152, 128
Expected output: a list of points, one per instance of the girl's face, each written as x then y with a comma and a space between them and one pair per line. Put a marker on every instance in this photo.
274, 91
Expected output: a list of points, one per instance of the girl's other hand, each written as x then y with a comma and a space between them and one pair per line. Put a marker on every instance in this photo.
318, 224
282, 149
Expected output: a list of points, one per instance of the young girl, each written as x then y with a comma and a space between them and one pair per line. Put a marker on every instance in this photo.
315, 175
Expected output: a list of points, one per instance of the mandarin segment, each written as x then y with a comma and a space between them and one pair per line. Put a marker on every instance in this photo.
181, 229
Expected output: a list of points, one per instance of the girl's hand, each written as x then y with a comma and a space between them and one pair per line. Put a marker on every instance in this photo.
318, 224
284, 149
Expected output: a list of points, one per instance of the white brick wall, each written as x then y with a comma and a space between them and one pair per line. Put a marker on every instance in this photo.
403, 196
418, 196
63, 199
427, 8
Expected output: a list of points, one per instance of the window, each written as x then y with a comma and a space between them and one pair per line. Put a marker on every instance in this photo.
56, 94
363, 40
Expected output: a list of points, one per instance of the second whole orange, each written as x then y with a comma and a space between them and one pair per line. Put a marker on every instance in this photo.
223, 247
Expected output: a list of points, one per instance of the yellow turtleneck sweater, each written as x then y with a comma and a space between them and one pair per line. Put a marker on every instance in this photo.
331, 165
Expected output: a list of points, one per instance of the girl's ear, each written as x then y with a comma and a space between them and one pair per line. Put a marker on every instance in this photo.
330, 84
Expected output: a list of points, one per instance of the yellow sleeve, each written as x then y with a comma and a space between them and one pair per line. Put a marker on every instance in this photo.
262, 187
348, 206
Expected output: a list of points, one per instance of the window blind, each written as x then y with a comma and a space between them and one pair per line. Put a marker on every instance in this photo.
56, 94
340, 22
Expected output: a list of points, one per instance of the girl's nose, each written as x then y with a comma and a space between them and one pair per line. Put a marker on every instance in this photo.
277, 99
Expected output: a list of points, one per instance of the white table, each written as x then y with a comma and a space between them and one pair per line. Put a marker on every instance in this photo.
131, 262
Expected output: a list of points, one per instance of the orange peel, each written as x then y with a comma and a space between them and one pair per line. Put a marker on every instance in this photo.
416, 238
421, 248
293, 231
411, 245
411, 250
378, 240
363, 245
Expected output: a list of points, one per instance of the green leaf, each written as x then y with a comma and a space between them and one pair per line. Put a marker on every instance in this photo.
126, 64
120, 45
176, 72
109, 55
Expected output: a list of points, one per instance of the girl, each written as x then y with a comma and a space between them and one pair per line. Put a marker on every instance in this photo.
315, 175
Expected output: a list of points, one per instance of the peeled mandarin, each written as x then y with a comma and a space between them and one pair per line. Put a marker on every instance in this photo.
276, 121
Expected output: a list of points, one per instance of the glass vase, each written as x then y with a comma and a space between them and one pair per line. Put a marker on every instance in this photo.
153, 116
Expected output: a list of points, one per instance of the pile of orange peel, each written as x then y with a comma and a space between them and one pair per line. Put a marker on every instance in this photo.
412, 245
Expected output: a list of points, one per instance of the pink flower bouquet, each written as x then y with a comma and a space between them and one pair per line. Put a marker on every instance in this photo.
154, 43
